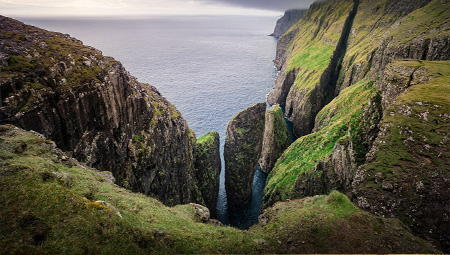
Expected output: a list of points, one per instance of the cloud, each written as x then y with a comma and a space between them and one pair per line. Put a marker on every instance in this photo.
65, 8
274, 5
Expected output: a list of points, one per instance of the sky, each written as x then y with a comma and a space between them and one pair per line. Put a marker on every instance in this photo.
74, 8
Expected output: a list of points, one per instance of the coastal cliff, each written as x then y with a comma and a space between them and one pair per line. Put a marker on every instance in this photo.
342, 80
289, 19
94, 109
372, 167
52, 203
242, 150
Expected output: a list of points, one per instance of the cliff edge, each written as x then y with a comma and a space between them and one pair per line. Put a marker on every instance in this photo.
289, 18
93, 108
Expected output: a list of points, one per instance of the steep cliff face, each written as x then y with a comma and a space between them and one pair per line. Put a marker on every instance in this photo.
51, 203
276, 138
92, 107
242, 150
315, 46
407, 173
207, 169
327, 159
386, 31
347, 131
289, 19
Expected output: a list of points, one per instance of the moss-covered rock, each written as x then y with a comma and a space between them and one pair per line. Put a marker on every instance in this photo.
275, 140
320, 224
407, 171
40, 215
207, 169
242, 151
93, 108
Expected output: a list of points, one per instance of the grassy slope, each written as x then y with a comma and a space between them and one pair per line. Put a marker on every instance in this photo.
313, 46
433, 93
301, 157
304, 154
71, 225
372, 25
41, 214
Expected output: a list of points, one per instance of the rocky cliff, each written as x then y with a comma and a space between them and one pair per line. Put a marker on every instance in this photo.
207, 169
407, 170
52, 203
242, 150
276, 138
94, 109
289, 19
342, 137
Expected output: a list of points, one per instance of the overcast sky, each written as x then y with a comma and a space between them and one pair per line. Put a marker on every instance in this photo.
24, 8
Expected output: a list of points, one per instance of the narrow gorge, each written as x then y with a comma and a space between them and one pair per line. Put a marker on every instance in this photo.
93, 161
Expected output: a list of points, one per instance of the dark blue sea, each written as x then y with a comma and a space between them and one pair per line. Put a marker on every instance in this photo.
209, 67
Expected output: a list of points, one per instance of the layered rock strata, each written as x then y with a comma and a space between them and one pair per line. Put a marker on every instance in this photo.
93, 108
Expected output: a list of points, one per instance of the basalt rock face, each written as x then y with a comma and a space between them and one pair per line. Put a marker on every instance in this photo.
242, 150
380, 114
275, 140
207, 169
94, 109
289, 18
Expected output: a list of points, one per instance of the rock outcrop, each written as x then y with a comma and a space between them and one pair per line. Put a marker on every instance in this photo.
94, 109
242, 150
289, 18
276, 138
207, 169
407, 171
366, 83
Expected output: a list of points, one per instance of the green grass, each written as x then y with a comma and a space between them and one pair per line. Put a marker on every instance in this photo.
70, 224
41, 214
207, 138
331, 224
434, 95
424, 23
335, 120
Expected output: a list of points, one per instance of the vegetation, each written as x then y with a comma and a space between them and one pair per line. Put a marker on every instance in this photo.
333, 122
425, 126
281, 133
51, 204
64, 59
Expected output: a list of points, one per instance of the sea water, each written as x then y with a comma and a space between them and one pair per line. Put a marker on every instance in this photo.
209, 67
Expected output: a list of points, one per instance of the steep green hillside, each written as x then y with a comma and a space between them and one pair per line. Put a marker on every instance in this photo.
407, 170
309, 52
344, 131
385, 31
339, 122
50, 203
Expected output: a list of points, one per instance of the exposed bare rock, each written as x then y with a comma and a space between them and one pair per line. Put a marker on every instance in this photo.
96, 111
289, 18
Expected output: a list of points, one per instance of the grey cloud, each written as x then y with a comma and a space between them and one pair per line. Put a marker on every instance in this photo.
275, 5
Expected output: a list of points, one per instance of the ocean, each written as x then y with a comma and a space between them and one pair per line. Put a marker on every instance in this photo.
209, 67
